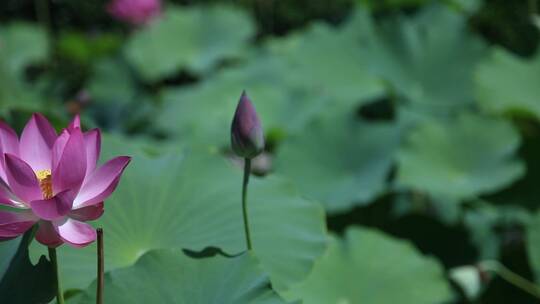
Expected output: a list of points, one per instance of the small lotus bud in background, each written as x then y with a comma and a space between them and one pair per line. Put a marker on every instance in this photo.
134, 12
468, 279
471, 279
247, 137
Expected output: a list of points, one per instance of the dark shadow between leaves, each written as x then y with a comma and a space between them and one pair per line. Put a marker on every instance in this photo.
22, 277
209, 252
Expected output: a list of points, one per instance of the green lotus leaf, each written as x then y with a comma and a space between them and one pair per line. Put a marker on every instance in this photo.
460, 158
194, 38
291, 82
341, 162
428, 59
169, 276
506, 83
192, 201
370, 267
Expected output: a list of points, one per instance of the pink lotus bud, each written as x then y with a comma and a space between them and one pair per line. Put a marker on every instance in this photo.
247, 137
135, 12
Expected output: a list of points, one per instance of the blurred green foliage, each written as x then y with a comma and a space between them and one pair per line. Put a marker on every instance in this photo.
415, 118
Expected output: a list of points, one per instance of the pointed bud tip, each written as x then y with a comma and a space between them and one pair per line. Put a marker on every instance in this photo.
244, 98
247, 136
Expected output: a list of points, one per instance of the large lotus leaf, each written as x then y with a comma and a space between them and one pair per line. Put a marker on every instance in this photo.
533, 243
462, 158
506, 83
22, 44
329, 61
203, 112
428, 58
194, 38
370, 267
20, 280
193, 201
340, 162
291, 81
169, 276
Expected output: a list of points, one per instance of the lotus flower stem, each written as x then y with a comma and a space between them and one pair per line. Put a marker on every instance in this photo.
247, 170
100, 267
54, 261
511, 277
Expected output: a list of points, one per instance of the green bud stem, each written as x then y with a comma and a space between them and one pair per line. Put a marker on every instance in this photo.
511, 277
247, 170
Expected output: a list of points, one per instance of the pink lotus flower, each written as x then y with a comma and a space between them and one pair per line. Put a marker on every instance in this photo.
136, 12
52, 180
